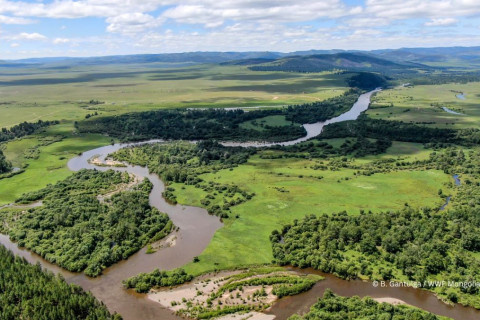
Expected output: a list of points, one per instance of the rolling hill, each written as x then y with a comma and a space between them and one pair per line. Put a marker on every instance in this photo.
351, 61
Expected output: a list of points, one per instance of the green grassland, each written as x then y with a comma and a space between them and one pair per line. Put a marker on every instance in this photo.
422, 103
48, 158
65, 94
287, 189
273, 121
399, 150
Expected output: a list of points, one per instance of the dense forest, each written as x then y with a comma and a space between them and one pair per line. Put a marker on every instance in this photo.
23, 129
88, 221
367, 81
183, 162
5, 166
316, 148
333, 307
322, 110
217, 124
416, 245
28, 292
400, 131
189, 125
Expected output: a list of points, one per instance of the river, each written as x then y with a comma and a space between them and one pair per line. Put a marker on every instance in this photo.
314, 129
452, 112
196, 228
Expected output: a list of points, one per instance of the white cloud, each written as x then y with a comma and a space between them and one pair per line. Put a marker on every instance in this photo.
366, 22
78, 9
28, 36
282, 25
441, 22
214, 13
61, 41
207, 12
14, 20
14, 45
405, 9
131, 23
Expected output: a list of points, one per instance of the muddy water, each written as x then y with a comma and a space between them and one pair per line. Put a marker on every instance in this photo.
423, 299
196, 230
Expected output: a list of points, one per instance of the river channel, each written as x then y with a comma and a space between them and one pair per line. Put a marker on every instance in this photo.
196, 229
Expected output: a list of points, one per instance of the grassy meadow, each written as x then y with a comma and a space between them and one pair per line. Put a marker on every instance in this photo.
44, 157
65, 94
273, 121
423, 104
287, 189
72, 93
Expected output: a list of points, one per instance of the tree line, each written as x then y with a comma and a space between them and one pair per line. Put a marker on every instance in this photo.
411, 244
28, 292
80, 227
23, 129
5, 165
334, 307
400, 131
216, 123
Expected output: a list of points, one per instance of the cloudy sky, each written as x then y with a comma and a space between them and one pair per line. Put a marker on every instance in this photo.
36, 28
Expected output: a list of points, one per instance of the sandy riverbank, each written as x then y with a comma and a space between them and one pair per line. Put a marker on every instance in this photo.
253, 290
390, 301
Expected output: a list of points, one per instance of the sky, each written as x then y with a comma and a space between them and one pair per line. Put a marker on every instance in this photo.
53, 28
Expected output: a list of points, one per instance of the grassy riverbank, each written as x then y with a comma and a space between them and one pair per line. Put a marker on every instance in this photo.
287, 189
44, 157
422, 104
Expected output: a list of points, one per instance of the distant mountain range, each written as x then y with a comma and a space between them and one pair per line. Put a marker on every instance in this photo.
303, 61
353, 61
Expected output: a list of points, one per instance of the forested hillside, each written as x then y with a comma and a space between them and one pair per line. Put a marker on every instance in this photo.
339, 61
28, 292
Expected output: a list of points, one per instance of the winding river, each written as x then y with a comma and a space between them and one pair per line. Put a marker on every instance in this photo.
314, 129
452, 112
196, 228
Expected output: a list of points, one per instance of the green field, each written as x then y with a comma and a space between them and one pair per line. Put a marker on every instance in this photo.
51, 94
273, 121
51, 164
65, 94
287, 189
422, 104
